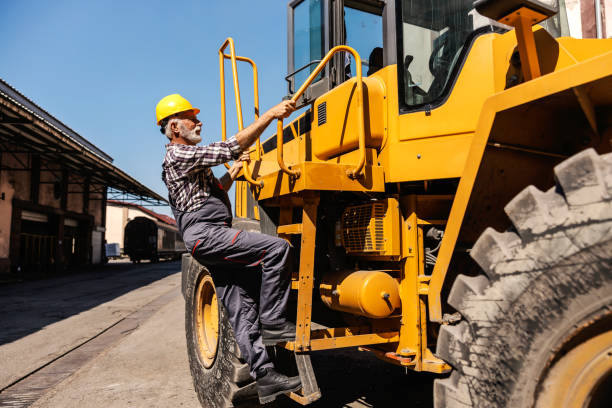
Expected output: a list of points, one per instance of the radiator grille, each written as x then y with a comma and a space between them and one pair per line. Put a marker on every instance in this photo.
321, 113
362, 228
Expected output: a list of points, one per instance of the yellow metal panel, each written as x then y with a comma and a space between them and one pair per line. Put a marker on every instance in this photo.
431, 158
289, 229
572, 76
459, 114
339, 133
483, 74
584, 49
321, 176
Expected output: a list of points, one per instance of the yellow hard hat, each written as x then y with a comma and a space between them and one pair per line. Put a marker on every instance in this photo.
172, 104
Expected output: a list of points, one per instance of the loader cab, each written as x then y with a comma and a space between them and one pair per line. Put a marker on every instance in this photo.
316, 26
427, 39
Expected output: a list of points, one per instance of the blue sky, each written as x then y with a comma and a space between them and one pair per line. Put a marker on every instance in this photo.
101, 66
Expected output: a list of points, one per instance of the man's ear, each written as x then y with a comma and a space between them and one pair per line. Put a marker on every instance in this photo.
174, 128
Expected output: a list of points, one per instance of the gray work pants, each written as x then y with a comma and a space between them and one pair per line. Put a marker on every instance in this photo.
236, 259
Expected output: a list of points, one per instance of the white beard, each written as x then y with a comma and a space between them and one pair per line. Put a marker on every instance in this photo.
190, 135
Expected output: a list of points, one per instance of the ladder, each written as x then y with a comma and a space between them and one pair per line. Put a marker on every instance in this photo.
304, 284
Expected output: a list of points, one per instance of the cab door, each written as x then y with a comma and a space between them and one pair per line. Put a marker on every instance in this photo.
316, 26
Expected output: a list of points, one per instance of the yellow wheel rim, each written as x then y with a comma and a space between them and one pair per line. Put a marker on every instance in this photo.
207, 321
577, 379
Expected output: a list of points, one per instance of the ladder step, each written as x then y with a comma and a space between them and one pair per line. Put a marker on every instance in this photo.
310, 390
289, 229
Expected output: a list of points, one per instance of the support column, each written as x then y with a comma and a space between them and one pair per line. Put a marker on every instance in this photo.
35, 178
306, 278
64, 190
86, 187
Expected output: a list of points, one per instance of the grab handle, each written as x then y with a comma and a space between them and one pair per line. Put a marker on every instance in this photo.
356, 171
229, 41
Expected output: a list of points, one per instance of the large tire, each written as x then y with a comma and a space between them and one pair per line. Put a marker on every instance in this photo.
546, 289
220, 377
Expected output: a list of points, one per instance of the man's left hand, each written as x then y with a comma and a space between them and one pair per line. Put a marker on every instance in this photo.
237, 165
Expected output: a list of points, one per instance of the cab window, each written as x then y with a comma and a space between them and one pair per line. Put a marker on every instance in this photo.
364, 33
433, 34
308, 39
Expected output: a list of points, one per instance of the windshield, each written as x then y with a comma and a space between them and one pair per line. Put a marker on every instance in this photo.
363, 32
433, 34
307, 38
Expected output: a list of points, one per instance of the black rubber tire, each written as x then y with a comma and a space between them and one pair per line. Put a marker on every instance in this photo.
227, 383
541, 284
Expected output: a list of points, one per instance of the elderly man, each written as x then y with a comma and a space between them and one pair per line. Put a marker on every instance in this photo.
203, 213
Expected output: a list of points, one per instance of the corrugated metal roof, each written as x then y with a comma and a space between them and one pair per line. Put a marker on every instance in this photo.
10, 92
36, 131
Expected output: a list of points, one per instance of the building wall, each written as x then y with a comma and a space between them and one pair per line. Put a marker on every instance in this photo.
114, 224
574, 18
49, 192
60, 228
97, 204
10, 182
581, 18
13, 184
607, 10
75, 195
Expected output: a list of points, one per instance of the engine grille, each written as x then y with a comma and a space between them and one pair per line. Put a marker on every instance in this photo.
363, 228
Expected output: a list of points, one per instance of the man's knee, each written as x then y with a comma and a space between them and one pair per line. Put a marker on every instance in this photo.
283, 244
281, 247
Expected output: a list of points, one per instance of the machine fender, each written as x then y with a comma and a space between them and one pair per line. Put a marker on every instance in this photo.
594, 73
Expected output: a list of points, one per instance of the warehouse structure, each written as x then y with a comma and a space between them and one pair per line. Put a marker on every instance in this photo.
54, 185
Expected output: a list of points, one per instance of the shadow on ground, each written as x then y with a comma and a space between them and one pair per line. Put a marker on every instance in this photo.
351, 378
29, 306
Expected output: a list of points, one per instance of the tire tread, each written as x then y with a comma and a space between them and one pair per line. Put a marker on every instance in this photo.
555, 255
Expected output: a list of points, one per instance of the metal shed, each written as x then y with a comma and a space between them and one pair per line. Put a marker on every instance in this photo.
54, 185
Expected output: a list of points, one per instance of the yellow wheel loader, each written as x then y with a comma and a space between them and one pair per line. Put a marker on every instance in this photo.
448, 193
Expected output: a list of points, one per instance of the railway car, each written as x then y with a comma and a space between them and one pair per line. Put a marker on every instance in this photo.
146, 239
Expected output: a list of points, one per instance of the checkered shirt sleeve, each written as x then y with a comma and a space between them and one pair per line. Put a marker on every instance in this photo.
186, 171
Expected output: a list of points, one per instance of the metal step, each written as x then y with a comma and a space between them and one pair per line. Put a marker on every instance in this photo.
310, 390
289, 229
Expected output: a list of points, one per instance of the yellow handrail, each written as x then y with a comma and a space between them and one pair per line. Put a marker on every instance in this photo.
229, 41
355, 172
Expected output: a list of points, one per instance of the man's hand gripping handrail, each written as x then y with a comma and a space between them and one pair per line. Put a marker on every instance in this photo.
355, 172
229, 41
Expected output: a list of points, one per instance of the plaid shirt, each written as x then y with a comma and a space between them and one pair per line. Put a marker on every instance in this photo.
187, 174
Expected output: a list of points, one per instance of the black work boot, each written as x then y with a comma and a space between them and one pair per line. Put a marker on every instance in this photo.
280, 333
271, 384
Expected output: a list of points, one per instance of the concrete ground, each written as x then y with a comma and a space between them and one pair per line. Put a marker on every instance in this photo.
115, 338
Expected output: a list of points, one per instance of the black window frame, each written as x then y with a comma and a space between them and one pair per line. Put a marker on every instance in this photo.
456, 70
324, 84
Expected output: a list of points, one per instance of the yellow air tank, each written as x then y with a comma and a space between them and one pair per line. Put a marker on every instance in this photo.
373, 294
